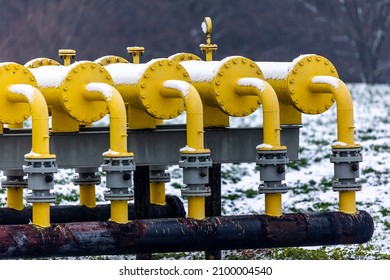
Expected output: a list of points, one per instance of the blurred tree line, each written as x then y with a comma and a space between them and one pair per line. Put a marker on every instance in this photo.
353, 34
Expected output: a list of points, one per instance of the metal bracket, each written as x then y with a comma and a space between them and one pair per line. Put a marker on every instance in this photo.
272, 170
119, 178
346, 168
40, 174
195, 174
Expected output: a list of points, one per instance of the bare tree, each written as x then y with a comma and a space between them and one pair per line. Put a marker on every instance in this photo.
365, 25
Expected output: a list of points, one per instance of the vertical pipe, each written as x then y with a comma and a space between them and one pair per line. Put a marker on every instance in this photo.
273, 204
88, 195
196, 207
214, 203
142, 199
15, 198
157, 193
119, 211
347, 202
41, 214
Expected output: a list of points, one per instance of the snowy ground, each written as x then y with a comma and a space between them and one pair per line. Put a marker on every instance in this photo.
310, 178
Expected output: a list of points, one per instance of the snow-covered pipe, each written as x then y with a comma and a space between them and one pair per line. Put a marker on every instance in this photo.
139, 85
290, 80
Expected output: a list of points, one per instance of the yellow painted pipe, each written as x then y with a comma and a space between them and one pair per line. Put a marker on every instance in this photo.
273, 204
41, 214
15, 198
40, 137
269, 100
345, 125
196, 207
88, 196
119, 211
40, 118
195, 132
118, 134
157, 193
117, 109
194, 111
347, 202
342, 96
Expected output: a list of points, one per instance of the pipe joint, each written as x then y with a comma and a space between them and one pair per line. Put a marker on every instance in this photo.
195, 174
87, 178
272, 164
157, 174
14, 179
40, 174
346, 168
119, 178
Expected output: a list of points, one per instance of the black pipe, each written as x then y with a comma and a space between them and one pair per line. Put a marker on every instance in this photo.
76, 213
213, 205
181, 234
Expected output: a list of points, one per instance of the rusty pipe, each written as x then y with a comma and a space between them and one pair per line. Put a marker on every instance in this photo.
180, 235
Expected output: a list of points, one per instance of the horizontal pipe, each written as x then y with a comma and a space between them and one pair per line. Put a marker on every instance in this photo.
181, 234
78, 213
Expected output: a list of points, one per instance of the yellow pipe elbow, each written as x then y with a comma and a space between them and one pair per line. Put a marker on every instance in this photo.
342, 96
40, 117
194, 110
118, 121
269, 100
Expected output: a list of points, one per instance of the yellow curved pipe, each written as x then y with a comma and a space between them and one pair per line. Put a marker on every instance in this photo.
345, 122
40, 117
118, 121
269, 100
118, 134
345, 125
271, 128
195, 132
40, 139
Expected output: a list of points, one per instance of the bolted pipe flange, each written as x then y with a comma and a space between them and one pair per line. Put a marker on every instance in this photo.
157, 174
272, 170
346, 168
14, 179
195, 174
87, 176
40, 174
119, 178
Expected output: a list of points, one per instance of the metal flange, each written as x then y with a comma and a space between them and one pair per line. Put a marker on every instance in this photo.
40, 174
14, 178
179, 57
346, 168
195, 174
13, 73
119, 178
272, 170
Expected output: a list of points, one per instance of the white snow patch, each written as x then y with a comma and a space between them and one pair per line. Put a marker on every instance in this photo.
252, 82
181, 86
110, 152
274, 70
26, 90
104, 89
125, 73
278, 70
264, 146
50, 76
187, 149
32, 154
333, 81
339, 143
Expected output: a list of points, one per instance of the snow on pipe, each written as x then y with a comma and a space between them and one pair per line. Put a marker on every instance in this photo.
182, 235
